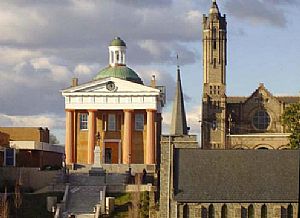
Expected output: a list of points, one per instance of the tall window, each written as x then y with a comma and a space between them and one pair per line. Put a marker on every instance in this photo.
203, 212
261, 120
185, 211
224, 211
83, 121
264, 212
250, 211
139, 122
290, 211
243, 212
111, 122
211, 211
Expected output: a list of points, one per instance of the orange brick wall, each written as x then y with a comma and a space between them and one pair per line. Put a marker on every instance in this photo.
27, 133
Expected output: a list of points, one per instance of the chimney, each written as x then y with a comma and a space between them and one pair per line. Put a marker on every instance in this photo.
153, 82
74, 82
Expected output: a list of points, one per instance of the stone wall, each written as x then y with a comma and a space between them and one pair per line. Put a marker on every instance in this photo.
256, 141
168, 143
234, 210
30, 177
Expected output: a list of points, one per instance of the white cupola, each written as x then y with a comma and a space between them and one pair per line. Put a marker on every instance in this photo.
117, 52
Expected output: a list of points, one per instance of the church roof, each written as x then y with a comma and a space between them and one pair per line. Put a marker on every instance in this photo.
119, 71
178, 123
242, 99
117, 41
236, 175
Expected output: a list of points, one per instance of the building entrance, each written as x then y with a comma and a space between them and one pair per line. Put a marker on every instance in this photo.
111, 152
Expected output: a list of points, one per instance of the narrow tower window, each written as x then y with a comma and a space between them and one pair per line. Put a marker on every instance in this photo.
215, 62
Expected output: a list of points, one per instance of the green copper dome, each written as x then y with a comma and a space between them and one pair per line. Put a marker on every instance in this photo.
117, 42
121, 72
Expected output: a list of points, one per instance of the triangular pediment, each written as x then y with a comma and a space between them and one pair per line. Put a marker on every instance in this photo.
110, 85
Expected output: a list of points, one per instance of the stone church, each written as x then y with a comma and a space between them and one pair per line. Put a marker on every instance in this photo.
236, 122
219, 182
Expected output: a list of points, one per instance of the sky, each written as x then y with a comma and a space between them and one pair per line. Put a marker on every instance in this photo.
44, 44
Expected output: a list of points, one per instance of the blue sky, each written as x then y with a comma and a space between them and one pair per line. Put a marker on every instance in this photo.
46, 43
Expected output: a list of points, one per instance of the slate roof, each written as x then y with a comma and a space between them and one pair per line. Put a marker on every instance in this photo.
236, 175
285, 99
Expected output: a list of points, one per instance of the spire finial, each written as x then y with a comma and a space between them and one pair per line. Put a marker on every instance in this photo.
214, 1
177, 58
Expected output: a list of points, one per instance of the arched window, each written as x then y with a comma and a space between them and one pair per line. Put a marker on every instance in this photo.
283, 212
203, 212
224, 213
264, 212
250, 211
211, 211
243, 212
290, 211
185, 211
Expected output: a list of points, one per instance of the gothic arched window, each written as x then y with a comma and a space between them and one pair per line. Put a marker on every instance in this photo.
250, 211
211, 211
203, 212
224, 212
264, 212
185, 211
290, 211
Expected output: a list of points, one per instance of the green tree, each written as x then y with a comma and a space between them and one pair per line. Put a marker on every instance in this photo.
291, 119
53, 140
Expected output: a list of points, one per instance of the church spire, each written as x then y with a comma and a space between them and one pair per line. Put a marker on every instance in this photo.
178, 124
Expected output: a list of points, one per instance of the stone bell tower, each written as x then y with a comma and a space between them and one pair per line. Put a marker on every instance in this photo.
214, 79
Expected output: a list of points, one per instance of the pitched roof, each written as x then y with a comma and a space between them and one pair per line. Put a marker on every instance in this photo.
178, 123
236, 175
289, 99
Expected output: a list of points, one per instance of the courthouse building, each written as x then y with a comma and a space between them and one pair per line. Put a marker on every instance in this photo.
115, 111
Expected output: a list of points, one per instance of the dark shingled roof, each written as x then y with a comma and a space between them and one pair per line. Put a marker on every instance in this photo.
236, 175
289, 99
285, 99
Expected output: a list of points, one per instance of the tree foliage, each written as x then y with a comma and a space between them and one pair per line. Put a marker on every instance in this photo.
53, 140
291, 120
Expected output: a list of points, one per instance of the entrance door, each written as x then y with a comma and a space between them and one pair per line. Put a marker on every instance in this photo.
111, 152
108, 153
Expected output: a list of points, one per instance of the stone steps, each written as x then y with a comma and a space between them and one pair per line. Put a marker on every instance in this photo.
83, 199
